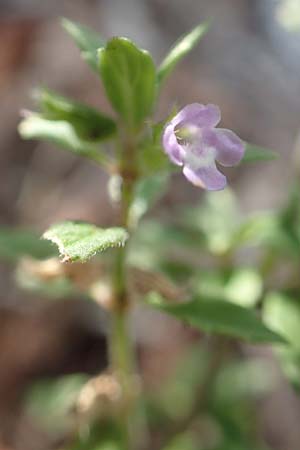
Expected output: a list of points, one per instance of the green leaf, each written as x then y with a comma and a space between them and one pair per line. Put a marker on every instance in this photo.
15, 243
181, 49
266, 229
88, 122
103, 434
50, 401
289, 217
151, 156
153, 159
255, 153
244, 379
147, 192
187, 441
79, 241
257, 229
128, 75
220, 317
216, 218
243, 285
176, 397
282, 313
87, 40
154, 244
61, 133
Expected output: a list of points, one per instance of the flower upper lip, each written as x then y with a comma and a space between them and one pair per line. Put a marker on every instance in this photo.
191, 140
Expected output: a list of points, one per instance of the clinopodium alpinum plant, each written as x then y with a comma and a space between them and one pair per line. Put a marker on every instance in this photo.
157, 264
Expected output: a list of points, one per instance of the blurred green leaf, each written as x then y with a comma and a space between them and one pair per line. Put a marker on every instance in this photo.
153, 159
216, 218
61, 133
219, 317
181, 49
257, 229
242, 285
240, 384
104, 435
289, 217
243, 380
89, 123
223, 230
267, 229
229, 404
282, 313
50, 401
151, 156
255, 153
128, 74
176, 397
156, 243
278, 230
185, 441
148, 191
87, 40
79, 241
15, 243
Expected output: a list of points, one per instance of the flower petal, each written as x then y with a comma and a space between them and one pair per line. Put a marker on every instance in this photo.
172, 148
198, 115
229, 147
206, 177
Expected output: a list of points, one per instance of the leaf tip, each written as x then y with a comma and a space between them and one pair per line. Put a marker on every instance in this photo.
66, 23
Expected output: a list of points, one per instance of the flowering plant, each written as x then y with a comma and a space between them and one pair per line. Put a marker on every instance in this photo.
112, 410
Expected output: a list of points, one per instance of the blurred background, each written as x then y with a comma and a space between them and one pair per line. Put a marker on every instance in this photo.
248, 63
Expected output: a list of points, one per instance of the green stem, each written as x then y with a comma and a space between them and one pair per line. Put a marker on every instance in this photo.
123, 365
121, 346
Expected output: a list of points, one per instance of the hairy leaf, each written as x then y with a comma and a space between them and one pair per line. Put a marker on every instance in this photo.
79, 241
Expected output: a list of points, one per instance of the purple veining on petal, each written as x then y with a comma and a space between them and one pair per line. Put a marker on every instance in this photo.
192, 140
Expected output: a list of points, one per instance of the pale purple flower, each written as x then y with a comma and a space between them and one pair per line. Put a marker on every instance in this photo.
192, 140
